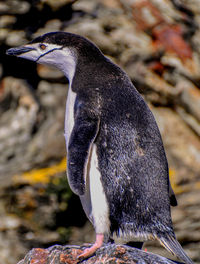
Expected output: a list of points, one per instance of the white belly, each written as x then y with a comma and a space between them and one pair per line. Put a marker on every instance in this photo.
99, 211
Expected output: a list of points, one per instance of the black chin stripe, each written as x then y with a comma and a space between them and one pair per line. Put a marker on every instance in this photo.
42, 55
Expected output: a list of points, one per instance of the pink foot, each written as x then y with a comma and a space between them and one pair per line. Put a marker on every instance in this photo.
90, 251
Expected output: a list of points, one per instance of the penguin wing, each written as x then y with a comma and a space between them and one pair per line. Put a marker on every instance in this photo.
81, 140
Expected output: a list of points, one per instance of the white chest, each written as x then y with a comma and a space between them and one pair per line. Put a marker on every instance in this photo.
69, 114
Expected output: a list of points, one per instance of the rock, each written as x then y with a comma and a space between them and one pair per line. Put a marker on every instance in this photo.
190, 98
51, 93
7, 21
8, 242
192, 5
109, 253
9, 222
15, 38
157, 44
86, 6
15, 129
92, 29
3, 34
189, 119
14, 7
189, 67
178, 140
51, 25
58, 3
49, 73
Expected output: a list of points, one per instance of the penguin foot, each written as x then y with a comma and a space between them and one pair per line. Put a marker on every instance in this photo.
90, 251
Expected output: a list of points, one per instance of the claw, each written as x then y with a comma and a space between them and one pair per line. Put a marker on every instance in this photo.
88, 252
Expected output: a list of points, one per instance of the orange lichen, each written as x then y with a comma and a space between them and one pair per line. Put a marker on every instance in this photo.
121, 250
176, 188
70, 258
43, 175
137, 12
170, 37
39, 256
197, 185
166, 36
157, 67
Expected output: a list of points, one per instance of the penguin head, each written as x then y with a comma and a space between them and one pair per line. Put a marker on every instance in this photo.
59, 49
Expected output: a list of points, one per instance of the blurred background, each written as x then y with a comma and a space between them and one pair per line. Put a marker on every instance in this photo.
158, 44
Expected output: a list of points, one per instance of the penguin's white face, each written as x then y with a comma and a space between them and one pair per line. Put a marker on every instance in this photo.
61, 57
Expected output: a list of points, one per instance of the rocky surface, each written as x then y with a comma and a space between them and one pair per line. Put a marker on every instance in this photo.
157, 44
107, 254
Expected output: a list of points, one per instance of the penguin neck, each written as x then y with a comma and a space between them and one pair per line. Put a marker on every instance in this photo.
66, 62
94, 72
81, 71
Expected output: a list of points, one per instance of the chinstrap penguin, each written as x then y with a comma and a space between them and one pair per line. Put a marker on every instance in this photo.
116, 162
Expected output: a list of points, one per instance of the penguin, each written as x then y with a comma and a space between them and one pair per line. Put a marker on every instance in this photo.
116, 162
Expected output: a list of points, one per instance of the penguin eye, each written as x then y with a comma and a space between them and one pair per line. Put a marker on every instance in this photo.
42, 46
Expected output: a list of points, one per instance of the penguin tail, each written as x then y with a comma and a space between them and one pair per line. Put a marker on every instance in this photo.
173, 246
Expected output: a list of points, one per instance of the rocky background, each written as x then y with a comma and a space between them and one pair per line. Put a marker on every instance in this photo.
158, 44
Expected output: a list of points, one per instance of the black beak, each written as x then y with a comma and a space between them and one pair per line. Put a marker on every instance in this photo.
18, 51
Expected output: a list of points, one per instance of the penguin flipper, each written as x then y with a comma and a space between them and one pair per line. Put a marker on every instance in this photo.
81, 139
173, 246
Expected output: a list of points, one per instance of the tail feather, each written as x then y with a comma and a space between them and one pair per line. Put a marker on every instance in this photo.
173, 246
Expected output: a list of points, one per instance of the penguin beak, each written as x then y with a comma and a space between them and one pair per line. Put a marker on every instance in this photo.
18, 51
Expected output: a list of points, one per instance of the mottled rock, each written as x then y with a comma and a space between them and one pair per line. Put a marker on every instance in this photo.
14, 7
178, 140
92, 29
9, 222
50, 26
86, 6
15, 129
16, 38
3, 34
51, 93
7, 21
190, 97
157, 44
107, 254
49, 73
192, 5
189, 67
8, 242
58, 3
